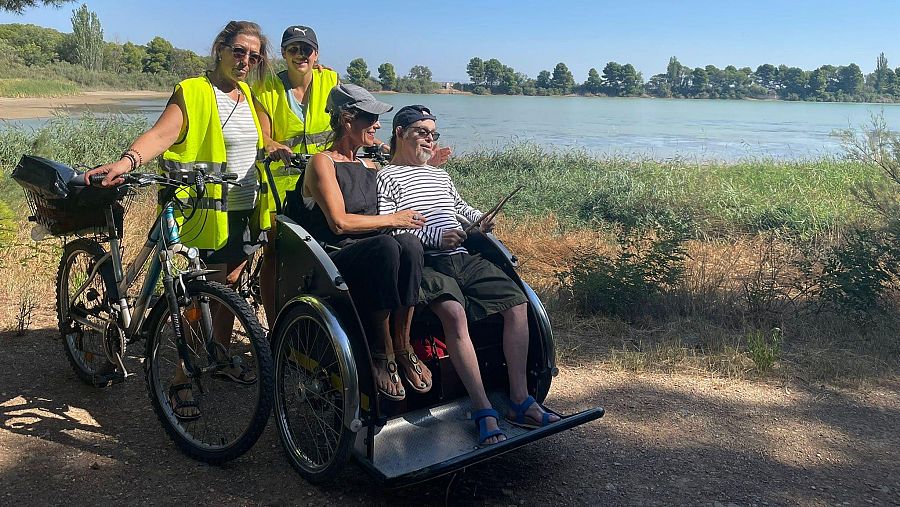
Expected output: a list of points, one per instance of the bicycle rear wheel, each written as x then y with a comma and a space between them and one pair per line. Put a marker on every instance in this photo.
248, 287
232, 381
85, 346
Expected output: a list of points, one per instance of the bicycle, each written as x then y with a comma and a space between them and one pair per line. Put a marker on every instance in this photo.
98, 319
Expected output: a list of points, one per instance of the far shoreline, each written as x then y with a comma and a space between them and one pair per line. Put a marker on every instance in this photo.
22, 108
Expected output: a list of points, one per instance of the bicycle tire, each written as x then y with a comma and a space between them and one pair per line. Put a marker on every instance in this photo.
84, 347
313, 377
205, 438
249, 288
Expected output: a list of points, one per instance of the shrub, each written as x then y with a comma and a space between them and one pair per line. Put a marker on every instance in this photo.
647, 263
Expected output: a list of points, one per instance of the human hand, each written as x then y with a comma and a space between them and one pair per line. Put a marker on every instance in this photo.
452, 238
278, 151
319, 66
487, 223
113, 173
439, 155
407, 219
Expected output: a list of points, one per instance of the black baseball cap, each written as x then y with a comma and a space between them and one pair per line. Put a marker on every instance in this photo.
299, 33
407, 115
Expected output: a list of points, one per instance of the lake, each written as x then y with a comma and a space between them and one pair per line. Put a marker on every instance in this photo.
658, 128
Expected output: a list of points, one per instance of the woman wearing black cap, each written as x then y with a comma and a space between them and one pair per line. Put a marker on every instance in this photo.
337, 204
295, 102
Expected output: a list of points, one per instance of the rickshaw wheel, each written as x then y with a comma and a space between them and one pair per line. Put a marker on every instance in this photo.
315, 390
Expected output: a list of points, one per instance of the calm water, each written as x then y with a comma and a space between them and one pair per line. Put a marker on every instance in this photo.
706, 129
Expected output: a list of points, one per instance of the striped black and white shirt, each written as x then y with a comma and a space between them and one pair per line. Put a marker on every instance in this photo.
241, 137
431, 192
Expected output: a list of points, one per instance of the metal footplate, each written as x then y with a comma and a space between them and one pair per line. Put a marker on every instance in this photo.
427, 443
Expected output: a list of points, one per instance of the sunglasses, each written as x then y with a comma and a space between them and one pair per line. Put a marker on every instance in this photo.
423, 133
301, 49
366, 117
239, 53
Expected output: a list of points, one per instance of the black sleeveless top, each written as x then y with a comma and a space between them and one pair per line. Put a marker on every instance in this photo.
357, 183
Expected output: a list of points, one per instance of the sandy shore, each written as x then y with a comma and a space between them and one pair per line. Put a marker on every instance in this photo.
35, 107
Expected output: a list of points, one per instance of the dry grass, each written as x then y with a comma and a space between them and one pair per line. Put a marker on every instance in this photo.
731, 289
732, 292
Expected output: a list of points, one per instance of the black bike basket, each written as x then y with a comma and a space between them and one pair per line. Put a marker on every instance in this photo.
54, 205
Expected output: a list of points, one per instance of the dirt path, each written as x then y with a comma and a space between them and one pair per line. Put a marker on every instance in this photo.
666, 440
38, 107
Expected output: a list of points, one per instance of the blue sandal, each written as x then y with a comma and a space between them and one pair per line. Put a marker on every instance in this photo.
520, 418
480, 423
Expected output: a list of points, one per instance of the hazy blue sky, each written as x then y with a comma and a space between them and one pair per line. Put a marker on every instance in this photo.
527, 35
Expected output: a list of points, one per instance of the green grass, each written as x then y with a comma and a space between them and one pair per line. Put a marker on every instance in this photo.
30, 87
712, 198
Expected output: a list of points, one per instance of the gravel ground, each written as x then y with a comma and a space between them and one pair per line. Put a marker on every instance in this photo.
666, 440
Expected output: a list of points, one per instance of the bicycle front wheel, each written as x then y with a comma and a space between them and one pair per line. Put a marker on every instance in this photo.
213, 392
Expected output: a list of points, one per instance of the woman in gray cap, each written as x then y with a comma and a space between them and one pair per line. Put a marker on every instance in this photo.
337, 204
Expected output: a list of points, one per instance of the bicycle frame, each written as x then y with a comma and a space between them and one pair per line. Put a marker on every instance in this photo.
130, 319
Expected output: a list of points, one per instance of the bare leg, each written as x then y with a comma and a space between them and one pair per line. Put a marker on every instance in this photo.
401, 321
381, 324
515, 349
462, 355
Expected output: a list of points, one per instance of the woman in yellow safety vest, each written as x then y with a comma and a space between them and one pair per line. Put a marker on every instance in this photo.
295, 102
213, 119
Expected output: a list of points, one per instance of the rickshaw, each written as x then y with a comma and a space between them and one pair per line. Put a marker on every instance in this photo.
327, 405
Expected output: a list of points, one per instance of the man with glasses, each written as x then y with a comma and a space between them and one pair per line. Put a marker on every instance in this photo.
458, 286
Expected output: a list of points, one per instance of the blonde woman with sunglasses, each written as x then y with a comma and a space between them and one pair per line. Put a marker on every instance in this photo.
214, 120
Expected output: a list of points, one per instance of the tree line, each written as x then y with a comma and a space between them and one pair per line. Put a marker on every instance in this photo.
418, 80
826, 83
35, 48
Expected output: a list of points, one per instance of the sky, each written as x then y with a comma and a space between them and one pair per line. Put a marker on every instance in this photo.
527, 35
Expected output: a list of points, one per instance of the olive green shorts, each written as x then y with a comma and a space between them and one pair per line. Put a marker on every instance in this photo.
477, 284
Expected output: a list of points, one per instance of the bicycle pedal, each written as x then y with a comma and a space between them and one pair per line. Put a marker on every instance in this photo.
108, 379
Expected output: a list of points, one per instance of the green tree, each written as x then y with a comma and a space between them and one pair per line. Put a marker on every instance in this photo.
794, 81
358, 72
543, 80
632, 80
387, 76
593, 84
492, 72
133, 58
19, 6
158, 56
699, 81
88, 37
766, 75
850, 79
475, 70
884, 77
186, 63
659, 86
613, 82
675, 73
562, 79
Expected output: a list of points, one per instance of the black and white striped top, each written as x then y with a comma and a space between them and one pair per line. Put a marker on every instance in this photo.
241, 137
431, 192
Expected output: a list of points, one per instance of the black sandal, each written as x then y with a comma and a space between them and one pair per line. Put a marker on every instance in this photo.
178, 403
390, 365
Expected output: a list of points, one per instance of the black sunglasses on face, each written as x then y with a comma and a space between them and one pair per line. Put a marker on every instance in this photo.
423, 133
301, 49
239, 53
366, 116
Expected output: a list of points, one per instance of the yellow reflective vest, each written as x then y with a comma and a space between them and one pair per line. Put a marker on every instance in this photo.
202, 142
303, 136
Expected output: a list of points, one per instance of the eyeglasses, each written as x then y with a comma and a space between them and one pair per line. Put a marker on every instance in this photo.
239, 53
301, 49
424, 132
365, 116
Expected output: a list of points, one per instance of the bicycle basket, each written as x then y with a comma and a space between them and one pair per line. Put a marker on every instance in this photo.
57, 207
